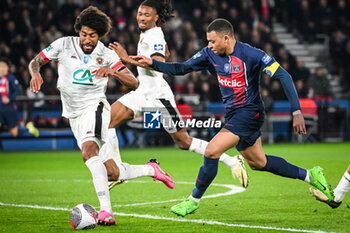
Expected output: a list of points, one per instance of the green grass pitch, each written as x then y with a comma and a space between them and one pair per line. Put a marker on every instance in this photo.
32, 181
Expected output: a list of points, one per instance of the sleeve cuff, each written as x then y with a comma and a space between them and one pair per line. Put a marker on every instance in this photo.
297, 112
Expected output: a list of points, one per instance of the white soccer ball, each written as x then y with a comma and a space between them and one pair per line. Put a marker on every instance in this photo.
83, 217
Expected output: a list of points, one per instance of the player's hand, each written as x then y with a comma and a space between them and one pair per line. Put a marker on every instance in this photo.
36, 82
5, 99
145, 62
119, 50
299, 124
104, 72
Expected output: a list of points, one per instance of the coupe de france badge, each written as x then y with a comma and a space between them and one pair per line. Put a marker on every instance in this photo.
86, 59
227, 67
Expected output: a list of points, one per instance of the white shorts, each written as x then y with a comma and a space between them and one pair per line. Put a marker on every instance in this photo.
110, 149
92, 124
138, 103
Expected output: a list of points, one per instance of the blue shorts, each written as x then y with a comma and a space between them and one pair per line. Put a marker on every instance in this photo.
9, 118
246, 124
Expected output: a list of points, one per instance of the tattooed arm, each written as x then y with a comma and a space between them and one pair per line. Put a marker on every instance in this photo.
34, 68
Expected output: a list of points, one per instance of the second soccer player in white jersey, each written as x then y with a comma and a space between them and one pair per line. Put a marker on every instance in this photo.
84, 64
154, 92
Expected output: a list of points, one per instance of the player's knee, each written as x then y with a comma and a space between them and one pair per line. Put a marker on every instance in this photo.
212, 152
89, 149
86, 155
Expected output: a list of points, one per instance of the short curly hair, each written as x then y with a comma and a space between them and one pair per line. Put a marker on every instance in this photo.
163, 8
93, 18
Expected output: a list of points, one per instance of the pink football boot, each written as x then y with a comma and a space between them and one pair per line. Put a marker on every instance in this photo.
160, 175
105, 218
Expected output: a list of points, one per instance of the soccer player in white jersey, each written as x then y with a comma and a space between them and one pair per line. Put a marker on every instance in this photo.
84, 64
154, 92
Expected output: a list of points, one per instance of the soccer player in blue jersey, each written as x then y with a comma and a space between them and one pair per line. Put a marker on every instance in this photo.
237, 67
9, 89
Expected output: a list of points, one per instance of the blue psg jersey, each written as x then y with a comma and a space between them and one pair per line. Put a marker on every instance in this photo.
238, 74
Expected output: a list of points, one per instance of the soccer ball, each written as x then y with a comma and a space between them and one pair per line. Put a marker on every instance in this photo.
83, 217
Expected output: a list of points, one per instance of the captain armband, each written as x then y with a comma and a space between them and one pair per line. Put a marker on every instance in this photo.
271, 69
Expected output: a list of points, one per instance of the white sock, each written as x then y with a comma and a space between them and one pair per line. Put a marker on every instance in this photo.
307, 177
199, 146
195, 199
129, 172
342, 188
100, 180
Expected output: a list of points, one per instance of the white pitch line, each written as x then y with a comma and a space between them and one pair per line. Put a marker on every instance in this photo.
233, 190
201, 221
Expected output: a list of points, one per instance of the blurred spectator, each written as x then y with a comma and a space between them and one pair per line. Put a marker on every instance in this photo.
175, 22
49, 87
276, 46
305, 21
267, 99
301, 89
319, 86
336, 46
53, 34
300, 72
346, 64
284, 56
325, 17
276, 91
342, 15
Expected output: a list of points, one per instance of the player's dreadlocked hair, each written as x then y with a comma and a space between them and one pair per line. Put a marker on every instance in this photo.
93, 18
221, 26
163, 8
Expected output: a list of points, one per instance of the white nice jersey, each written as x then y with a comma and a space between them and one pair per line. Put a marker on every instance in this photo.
152, 84
77, 83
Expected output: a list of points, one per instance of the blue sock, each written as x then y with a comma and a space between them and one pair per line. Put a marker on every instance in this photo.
206, 175
281, 167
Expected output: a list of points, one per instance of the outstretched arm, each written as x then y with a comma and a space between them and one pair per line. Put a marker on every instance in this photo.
168, 68
292, 95
34, 68
125, 76
156, 62
123, 55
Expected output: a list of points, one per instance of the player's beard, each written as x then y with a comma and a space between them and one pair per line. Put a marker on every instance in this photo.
141, 29
88, 51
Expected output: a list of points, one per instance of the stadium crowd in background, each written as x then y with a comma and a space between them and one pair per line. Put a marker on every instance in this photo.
28, 26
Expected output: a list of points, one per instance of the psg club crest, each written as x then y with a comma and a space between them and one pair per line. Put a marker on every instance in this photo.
99, 60
236, 68
227, 67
